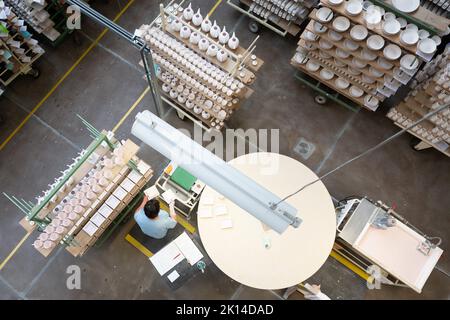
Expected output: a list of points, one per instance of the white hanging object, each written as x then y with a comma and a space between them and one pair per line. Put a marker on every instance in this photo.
185, 32
215, 30
203, 44
188, 13
233, 42
197, 19
222, 56
194, 38
206, 25
212, 50
224, 36
176, 25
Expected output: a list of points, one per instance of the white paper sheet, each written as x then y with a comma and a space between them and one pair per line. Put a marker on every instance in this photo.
174, 275
167, 258
207, 200
205, 212
226, 224
151, 192
188, 248
220, 210
168, 196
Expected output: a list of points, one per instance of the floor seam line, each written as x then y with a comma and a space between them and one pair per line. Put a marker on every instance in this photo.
335, 143
41, 272
9, 286
114, 54
45, 124
237, 292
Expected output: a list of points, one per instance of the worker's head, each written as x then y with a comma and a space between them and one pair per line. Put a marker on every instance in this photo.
151, 208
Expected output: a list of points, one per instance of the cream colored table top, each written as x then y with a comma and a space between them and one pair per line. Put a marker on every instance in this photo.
293, 256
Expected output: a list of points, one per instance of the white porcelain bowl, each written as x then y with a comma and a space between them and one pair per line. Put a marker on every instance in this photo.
342, 54
355, 91
335, 36
341, 83
409, 37
350, 44
325, 44
391, 27
392, 52
406, 6
326, 74
335, 2
358, 32
319, 28
358, 63
427, 46
375, 42
341, 24
368, 54
324, 14
312, 66
371, 101
384, 64
353, 7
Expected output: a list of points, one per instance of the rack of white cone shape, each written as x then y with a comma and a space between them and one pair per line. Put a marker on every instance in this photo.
216, 173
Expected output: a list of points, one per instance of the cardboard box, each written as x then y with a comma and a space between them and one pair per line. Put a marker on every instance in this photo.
121, 194
135, 176
128, 185
98, 219
112, 202
105, 211
90, 228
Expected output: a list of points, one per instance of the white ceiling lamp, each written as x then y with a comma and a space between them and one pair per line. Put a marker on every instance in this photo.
231, 183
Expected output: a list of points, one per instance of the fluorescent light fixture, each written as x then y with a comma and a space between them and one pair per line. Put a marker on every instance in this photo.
216, 173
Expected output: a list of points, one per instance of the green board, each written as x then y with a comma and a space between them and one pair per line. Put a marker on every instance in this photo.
183, 178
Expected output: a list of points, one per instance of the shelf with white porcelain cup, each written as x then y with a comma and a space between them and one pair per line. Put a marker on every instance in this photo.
238, 59
353, 79
329, 83
346, 35
355, 53
208, 124
197, 100
359, 19
346, 61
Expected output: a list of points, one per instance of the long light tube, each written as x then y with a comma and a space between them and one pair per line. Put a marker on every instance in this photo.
216, 173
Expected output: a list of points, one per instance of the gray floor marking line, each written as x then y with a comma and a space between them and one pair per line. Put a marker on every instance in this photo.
45, 124
277, 295
438, 268
238, 22
38, 276
335, 143
237, 292
116, 55
9, 286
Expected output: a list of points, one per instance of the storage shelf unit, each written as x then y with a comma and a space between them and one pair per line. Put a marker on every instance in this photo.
90, 198
195, 81
18, 49
430, 90
37, 16
370, 74
281, 16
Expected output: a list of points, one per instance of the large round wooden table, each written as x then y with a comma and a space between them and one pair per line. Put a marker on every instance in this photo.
256, 256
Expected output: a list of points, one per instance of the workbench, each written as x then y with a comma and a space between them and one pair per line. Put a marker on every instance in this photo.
290, 258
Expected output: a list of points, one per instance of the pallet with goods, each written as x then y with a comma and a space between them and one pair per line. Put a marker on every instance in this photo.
281, 16
91, 197
440, 7
18, 49
364, 52
37, 16
430, 90
202, 69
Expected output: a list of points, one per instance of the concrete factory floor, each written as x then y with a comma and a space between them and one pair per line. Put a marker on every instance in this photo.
102, 87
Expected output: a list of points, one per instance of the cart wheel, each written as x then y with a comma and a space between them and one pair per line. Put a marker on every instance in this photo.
320, 99
253, 26
35, 73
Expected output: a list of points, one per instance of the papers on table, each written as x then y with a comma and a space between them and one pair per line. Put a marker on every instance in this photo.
220, 210
176, 251
174, 275
167, 258
226, 224
207, 200
205, 212
169, 196
188, 248
151, 192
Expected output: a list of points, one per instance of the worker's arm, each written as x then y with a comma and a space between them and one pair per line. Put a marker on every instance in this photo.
142, 205
172, 213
